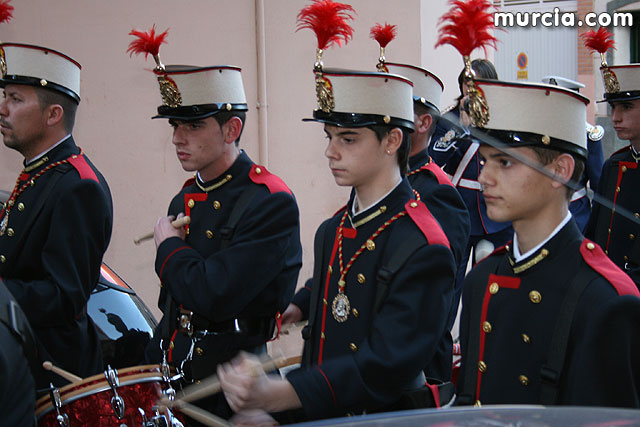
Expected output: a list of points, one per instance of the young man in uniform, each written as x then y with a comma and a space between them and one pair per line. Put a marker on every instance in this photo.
533, 312
425, 176
384, 274
56, 225
228, 274
618, 235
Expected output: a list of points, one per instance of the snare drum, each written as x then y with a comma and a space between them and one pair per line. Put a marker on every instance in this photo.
103, 401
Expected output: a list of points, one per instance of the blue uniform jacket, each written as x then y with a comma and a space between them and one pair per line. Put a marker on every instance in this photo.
50, 257
515, 307
364, 362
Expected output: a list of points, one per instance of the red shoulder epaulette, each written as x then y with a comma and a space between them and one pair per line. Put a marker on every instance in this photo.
595, 257
339, 211
501, 250
427, 223
260, 175
621, 150
189, 182
437, 171
79, 162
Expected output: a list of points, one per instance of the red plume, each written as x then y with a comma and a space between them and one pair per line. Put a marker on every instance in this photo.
383, 34
467, 26
599, 41
6, 11
329, 21
147, 43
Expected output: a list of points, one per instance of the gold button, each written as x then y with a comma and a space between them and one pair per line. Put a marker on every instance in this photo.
324, 301
591, 246
632, 236
606, 252
544, 253
546, 140
422, 99
228, 177
191, 203
383, 209
3, 259
216, 205
209, 234
526, 339
535, 297
617, 189
341, 284
637, 215
361, 278
330, 269
171, 345
228, 107
10, 232
199, 351
43, 82
386, 119
32, 182
624, 169
10, 202
494, 288
370, 245
353, 347
626, 258
477, 404
413, 205
486, 326
482, 367
523, 380
258, 171
322, 335
355, 312
20, 207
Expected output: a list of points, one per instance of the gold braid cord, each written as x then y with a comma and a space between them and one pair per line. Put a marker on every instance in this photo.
324, 91
3, 63
478, 107
611, 84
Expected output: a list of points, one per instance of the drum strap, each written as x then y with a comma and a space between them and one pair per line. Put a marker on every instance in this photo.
551, 371
16, 321
239, 209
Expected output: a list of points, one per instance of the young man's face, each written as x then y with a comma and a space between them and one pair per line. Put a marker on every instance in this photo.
625, 116
355, 155
22, 122
512, 190
200, 144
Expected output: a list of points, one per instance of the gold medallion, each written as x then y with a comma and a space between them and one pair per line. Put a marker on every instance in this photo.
340, 308
324, 93
171, 96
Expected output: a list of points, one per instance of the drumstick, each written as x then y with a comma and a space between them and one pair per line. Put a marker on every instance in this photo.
211, 385
64, 374
198, 414
180, 222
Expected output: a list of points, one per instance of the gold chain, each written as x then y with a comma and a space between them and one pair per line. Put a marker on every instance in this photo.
213, 186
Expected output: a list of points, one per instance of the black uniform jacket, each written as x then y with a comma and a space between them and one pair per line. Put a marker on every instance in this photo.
253, 278
513, 309
617, 235
443, 200
51, 253
365, 361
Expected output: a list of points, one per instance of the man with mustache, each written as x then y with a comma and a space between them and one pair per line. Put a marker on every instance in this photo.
56, 224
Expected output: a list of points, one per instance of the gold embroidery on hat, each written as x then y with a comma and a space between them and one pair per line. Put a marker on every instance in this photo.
3, 63
324, 92
171, 96
478, 107
611, 84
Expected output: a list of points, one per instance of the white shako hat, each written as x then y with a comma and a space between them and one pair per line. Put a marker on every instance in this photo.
535, 114
41, 67
191, 92
427, 87
628, 78
360, 99
563, 82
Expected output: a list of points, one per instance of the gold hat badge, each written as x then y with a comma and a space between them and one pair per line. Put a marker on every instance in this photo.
467, 26
149, 44
6, 13
601, 41
329, 21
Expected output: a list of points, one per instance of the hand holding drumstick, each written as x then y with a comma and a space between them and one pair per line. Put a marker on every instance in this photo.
162, 226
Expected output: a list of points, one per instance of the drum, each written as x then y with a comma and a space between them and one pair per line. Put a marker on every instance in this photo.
125, 397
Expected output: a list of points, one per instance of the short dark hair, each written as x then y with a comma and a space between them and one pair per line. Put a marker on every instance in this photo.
547, 155
403, 152
47, 97
419, 109
224, 116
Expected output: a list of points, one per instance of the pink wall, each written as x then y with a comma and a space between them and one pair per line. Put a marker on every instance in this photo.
119, 95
